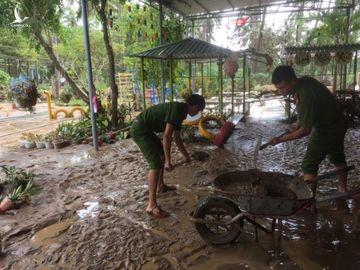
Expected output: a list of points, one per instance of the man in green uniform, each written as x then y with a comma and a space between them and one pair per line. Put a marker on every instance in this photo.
166, 118
318, 114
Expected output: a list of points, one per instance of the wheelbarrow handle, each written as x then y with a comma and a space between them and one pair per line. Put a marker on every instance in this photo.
268, 143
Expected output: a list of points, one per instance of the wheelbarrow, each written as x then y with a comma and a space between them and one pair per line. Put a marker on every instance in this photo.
244, 196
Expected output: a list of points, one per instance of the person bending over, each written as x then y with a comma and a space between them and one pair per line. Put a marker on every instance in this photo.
166, 118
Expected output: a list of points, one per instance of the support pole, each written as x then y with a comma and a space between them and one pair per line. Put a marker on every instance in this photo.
143, 82
162, 61
347, 25
355, 71
244, 83
202, 77
220, 75
171, 80
89, 74
190, 73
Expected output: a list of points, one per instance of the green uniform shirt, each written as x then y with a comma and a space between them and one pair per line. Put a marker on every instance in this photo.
316, 105
156, 117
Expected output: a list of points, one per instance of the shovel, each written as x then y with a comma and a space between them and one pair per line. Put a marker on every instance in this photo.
268, 143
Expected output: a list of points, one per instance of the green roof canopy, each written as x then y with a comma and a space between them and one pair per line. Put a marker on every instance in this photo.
189, 48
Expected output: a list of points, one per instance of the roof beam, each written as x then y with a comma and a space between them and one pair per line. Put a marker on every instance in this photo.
202, 6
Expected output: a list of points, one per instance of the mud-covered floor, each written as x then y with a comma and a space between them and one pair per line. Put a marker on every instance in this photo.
91, 215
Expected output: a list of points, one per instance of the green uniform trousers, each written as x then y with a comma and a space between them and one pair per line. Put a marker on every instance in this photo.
322, 144
149, 144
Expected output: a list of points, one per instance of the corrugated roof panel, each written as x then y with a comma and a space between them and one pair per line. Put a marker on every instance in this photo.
189, 48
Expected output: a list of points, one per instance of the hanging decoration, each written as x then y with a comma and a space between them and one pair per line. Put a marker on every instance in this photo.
129, 8
230, 67
302, 58
322, 58
145, 22
290, 60
241, 21
343, 57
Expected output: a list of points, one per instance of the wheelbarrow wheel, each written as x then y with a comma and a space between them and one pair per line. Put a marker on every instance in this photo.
218, 210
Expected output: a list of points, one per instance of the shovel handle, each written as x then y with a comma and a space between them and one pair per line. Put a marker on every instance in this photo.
268, 143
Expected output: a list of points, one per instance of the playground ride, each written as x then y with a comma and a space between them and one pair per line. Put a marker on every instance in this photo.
205, 121
214, 128
69, 112
4, 108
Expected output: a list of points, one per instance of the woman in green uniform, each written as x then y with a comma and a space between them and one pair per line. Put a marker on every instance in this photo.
318, 114
166, 118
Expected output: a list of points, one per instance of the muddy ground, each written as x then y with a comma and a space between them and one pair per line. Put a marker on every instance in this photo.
91, 215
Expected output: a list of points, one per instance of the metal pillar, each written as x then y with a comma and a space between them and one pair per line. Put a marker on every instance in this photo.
89, 73
171, 80
220, 75
162, 61
244, 84
143, 82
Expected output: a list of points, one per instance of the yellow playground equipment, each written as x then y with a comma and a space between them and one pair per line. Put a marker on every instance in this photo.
69, 112
7, 111
200, 122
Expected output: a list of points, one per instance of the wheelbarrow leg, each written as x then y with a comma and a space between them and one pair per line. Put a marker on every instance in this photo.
278, 238
256, 233
273, 224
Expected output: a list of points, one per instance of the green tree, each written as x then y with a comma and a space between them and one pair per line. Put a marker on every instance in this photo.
41, 22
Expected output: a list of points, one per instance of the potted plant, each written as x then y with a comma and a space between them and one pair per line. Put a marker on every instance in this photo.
48, 140
6, 204
24, 93
30, 140
60, 141
21, 187
39, 141
23, 139
19, 195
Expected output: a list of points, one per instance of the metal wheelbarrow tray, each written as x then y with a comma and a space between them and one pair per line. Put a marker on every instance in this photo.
278, 194
241, 196
220, 218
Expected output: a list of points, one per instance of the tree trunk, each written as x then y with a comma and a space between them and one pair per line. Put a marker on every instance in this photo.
50, 52
111, 62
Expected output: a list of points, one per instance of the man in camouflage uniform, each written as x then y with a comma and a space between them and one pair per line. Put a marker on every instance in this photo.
319, 115
166, 118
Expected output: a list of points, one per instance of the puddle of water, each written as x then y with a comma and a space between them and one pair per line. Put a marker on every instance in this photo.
48, 235
90, 210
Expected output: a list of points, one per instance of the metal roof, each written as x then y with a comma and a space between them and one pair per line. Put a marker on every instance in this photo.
189, 48
195, 9
324, 48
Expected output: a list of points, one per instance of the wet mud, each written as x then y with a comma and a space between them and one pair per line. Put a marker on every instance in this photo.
91, 213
